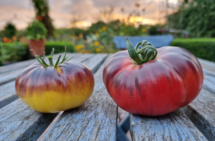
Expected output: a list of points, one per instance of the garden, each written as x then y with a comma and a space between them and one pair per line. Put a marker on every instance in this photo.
98, 38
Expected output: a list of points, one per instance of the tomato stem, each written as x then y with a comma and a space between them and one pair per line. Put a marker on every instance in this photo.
44, 63
44, 55
143, 55
39, 59
56, 64
64, 57
50, 58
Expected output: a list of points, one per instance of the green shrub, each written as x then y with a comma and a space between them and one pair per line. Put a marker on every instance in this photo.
14, 52
36, 30
9, 30
59, 47
1, 61
200, 47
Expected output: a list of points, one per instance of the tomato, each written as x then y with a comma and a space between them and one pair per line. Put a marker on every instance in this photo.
53, 88
151, 81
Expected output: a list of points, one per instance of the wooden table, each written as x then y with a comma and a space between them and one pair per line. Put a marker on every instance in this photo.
97, 118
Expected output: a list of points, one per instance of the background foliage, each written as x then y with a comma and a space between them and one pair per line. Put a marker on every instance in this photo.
42, 14
35, 31
9, 30
196, 16
59, 47
201, 47
17, 51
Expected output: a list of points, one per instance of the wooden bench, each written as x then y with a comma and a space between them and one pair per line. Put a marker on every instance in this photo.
97, 118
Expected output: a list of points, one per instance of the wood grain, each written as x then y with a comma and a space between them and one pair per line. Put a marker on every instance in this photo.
171, 127
202, 113
10, 76
95, 120
209, 74
207, 64
7, 94
209, 82
20, 122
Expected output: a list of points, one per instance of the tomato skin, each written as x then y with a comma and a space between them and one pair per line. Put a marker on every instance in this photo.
50, 90
171, 81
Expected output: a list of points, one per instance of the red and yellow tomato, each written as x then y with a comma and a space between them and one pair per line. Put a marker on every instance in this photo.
169, 78
52, 89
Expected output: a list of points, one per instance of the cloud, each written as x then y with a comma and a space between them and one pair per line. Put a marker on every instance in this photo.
24, 4
63, 12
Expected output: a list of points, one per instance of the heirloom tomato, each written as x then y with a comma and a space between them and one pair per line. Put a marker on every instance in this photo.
150, 81
53, 88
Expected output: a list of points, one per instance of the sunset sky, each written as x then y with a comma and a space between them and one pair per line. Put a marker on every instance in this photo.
86, 12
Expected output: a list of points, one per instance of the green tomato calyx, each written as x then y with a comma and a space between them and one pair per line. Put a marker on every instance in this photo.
41, 60
146, 53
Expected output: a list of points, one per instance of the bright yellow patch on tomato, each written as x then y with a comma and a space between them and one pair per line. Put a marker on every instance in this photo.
59, 70
52, 102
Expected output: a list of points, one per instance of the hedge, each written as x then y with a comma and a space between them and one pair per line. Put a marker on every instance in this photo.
59, 47
200, 47
14, 52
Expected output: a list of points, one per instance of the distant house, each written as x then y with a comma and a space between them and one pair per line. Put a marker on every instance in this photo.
157, 40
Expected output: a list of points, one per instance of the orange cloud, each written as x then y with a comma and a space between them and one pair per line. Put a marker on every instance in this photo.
82, 13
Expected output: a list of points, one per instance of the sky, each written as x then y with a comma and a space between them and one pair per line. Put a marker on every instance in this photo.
82, 13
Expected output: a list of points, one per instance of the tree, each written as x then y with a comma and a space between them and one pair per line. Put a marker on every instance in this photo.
106, 14
196, 16
42, 13
9, 30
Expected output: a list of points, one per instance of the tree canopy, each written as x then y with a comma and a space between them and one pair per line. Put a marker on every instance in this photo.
42, 13
196, 16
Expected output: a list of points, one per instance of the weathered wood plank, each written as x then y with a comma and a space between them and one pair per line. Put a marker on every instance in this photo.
20, 122
209, 74
95, 120
207, 64
202, 113
208, 68
171, 127
209, 83
7, 94
9, 76
7, 91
